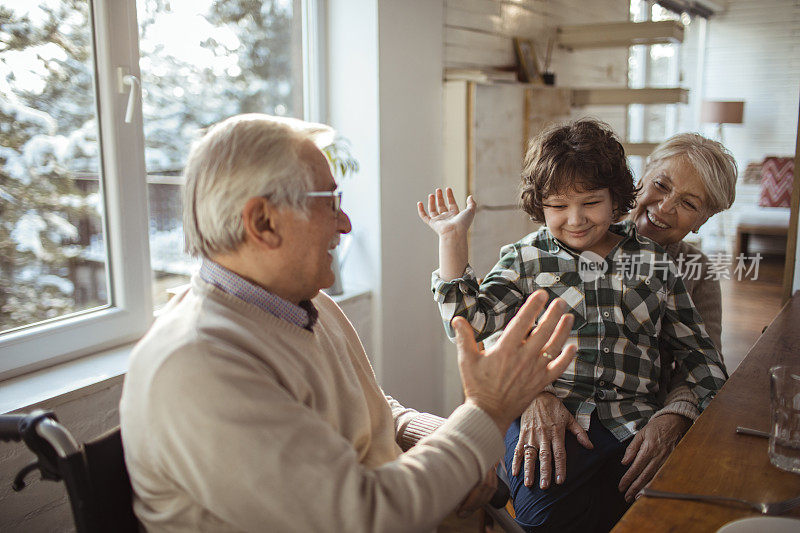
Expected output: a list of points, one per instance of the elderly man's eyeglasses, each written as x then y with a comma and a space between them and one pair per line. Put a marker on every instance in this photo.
335, 196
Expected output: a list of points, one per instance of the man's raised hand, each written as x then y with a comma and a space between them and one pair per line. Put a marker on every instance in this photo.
504, 379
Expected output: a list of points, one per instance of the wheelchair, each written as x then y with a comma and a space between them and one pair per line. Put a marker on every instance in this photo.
96, 478
95, 475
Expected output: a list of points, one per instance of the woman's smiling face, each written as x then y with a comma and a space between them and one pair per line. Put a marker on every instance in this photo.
673, 201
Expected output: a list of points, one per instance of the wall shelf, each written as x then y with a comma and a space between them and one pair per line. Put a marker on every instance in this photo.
671, 95
619, 34
639, 149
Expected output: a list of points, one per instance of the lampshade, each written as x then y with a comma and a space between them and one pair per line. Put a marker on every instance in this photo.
722, 112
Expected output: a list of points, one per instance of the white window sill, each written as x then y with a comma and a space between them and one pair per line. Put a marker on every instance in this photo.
65, 382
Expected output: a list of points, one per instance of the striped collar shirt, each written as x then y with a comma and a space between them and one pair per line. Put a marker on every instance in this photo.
303, 315
623, 306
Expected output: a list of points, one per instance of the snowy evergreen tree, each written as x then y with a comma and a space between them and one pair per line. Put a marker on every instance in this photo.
236, 57
46, 135
241, 63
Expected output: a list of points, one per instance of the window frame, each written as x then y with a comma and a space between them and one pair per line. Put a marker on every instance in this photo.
129, 312
315, 81
126, 316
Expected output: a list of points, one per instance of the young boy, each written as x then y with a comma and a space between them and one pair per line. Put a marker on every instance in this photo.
625, 295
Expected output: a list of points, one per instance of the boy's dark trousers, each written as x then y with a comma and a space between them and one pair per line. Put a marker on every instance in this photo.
588, 500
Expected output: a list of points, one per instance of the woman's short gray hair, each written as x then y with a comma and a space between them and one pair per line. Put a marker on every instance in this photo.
712, 161
240, 158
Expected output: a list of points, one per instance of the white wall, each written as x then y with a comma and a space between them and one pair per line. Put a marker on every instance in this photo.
410, 65
385, 84
352, 59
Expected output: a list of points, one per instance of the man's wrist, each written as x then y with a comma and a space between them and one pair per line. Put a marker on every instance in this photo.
498, 416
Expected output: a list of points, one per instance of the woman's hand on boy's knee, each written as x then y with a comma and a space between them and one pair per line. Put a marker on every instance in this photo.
542, 429
443, 215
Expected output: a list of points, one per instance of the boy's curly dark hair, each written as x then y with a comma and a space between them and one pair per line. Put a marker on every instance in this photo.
585, 154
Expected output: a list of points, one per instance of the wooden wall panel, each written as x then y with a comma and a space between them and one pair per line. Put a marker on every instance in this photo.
499, 143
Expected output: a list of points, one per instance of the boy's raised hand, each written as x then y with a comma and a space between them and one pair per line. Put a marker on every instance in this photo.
443, 214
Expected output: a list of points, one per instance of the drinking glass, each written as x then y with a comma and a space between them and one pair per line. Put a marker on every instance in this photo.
784, 438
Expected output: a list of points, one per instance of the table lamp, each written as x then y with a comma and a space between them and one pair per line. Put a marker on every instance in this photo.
720, 113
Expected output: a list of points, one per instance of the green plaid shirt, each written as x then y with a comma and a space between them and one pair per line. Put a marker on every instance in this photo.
619, 318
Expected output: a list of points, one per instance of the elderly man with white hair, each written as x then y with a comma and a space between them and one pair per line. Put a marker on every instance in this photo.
250, 405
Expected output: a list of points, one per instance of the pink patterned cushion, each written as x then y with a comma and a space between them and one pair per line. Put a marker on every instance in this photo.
777, 174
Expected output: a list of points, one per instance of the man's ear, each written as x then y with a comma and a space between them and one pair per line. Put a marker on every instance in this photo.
258, 217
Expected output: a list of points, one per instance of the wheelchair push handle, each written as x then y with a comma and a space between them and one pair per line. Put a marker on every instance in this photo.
45, 437
40, 431
12, 427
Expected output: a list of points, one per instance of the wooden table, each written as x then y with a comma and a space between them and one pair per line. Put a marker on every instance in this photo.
713, 459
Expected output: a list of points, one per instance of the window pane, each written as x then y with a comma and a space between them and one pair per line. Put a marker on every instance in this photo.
52, 248
662, 68
660, 13
229, 57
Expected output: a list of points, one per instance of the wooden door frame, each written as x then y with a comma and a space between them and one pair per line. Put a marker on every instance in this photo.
791, 238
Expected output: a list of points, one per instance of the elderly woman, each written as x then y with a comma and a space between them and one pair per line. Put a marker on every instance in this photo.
687, 179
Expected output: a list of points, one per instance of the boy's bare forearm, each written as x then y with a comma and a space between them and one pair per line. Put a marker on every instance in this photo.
453, 254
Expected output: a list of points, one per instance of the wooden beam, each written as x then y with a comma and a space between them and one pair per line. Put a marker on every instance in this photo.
640, 149
455, 135
470, 116
672, 95
619, 34
791, 238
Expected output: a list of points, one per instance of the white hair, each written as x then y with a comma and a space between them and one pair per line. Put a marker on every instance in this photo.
242, 157
712, 161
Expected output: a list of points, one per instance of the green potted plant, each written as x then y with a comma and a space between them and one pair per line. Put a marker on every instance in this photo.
342, 164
